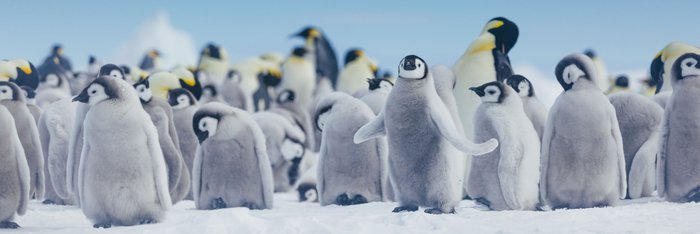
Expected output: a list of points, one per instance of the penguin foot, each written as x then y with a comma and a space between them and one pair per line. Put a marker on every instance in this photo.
439, 211
218, 203
601, 205
358, 199
102, 225
8, 225
408, 208
343, 200
483, 201
147, 221
466, 197
48, 202
251, 206
693, 195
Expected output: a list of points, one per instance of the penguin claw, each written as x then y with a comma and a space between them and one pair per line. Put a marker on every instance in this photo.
102, 225
358, 199
483, 201
439, 211
251, 206
147, 221
343, 200
48, 202
218, 203
8, 225
408, 208
693, 195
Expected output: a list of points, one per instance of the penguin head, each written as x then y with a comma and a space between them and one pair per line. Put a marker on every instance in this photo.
622, 81
29, 93
143, 89
101, 89
10, 91
353, 54
413, 67
310, 33
521, 85
57, 49
212, 50
181, 98
492, 92
505, 32
574, 67
590, 53
112, 71
205, 123
299, 52
686, 66
286, 96
271, 77
209, 91
234, 76
188, 81
25, 73
377, 83
292, 149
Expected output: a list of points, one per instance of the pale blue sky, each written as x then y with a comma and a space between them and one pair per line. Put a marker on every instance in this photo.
626, 34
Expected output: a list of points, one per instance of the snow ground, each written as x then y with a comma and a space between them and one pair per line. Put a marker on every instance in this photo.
648, 215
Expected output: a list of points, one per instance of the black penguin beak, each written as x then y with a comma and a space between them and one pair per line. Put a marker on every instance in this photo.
202, 135
409, 65
478, 90
82, 97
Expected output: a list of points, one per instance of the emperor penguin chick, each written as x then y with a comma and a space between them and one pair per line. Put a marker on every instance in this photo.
285, 148
14, 171
122, 177
508, 177
231, 167
377, 94
348, 173
184, 106
534, 109
55, 126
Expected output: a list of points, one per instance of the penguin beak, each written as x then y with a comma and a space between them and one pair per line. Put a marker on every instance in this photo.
478, 90
82, 97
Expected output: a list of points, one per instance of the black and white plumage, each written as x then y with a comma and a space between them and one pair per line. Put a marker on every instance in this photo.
376, 96
326, 62
534, 108
20, 72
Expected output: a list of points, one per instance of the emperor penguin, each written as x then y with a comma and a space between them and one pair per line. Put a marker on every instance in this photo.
485, 60
377, 94
583, 164
358, 67
210, 93
94, 66
660, 69
233, 94
323, 54
348, 173
298, 75
14, 171
269, 80
602, 76
677, 163
30, 96
79, 80
56, 56
507, 178
53, 86
622, 84
20, 72
55, 126
640, 124
445, 80
214, 61
150, 61
12, 98
162, 82
231, 167
285, 148
184, 106
162, 116
297, 114
418, 126
534, 109
121, 153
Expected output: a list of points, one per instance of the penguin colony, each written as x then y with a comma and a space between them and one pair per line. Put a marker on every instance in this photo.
125, 143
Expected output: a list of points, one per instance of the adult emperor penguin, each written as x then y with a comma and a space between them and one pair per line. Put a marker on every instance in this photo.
377, 94
20, 72
234, 95
485, 60
184, 106
55, 126
150, 61
214, 61
325, 60
162, 82
507, 178
583, 164
534, 109
162, 116
269, 80
358, 67
640, 124
602, 76
444, 83
56, 56
12, 98
298, 75
677, 162
660, 68
285, 148
348, 173
418, 126
123, 156
30, 96
14, 172
231, 167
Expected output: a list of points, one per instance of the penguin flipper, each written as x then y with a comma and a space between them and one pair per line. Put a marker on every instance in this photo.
442, 120
508, 164
622, 171
56, 158
371, 130
23, 173
546, 142
642, 165
158, 163
197, 176
661, 156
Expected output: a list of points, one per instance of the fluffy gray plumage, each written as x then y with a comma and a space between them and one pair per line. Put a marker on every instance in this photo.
14, 172
55, 126
277, 130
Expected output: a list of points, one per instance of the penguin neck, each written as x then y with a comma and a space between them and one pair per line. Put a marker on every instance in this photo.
415, 84
484, 43
583, 84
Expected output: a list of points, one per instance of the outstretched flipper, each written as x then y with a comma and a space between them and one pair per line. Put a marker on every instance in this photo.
642, 166
371, 130
446, 126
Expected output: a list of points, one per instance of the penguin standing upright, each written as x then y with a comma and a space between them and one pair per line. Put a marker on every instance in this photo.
325, 60
298, 76
12, 98
184, 106
660, 68
418, 126
678, 179
377, 94
602, 76
583, 164
485, 60
234, 95
122, 156
213, 60
285, 148
55, 126
56, 57
507, 178
150, 61
269, 80
358, 68
534, 109
14, 171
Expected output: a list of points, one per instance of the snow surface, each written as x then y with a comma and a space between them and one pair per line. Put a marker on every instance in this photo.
649, 215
